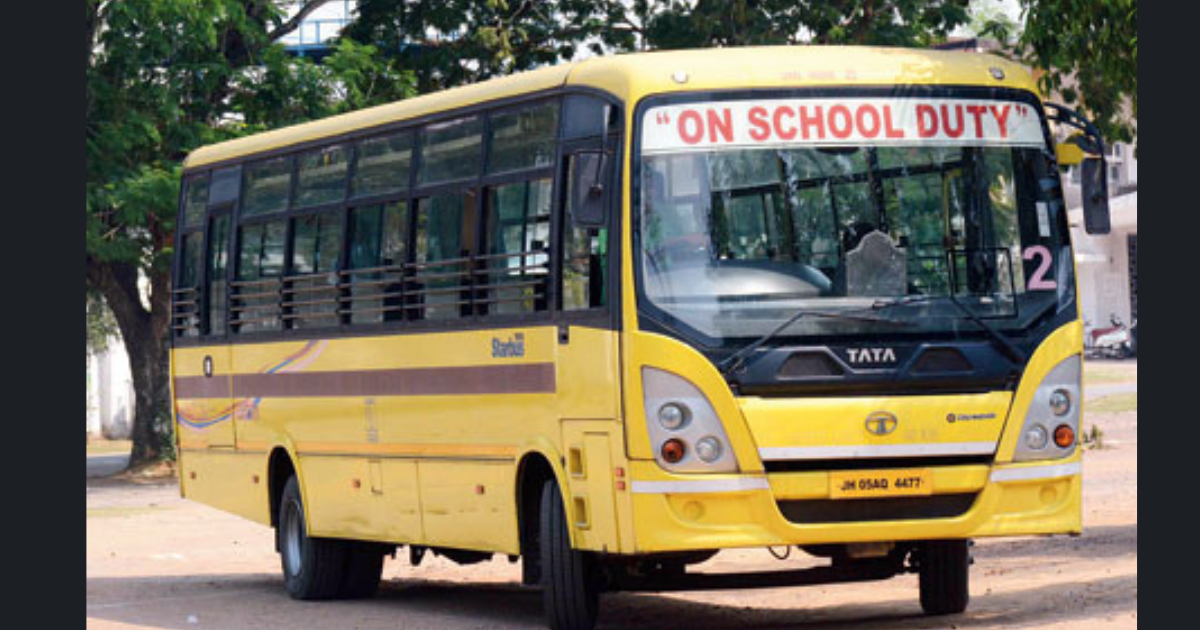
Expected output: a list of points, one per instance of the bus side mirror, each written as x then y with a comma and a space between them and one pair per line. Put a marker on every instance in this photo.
1094, 179
589, 174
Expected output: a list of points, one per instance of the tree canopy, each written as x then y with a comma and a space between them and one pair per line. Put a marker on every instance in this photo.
165, 77
1086, 51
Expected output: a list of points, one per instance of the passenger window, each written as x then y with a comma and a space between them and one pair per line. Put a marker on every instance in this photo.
444, 229
218, 261
195, 200
451, 151
518, 233
260, 263
523, 139
378, 251
267, 186
322, 177
310, 292
382, 165
186, 306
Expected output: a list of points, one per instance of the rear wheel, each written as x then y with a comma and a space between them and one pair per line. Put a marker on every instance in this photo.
313, 568
944, 576
570, 582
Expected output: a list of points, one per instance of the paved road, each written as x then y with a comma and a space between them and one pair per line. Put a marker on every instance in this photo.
1092, 392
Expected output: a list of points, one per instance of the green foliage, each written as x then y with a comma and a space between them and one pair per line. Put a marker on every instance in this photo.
163, 78
101, 327
454, 42
1088, 49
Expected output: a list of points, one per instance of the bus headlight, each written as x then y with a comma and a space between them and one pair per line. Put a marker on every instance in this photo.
672, 416
1052, 412
685, 432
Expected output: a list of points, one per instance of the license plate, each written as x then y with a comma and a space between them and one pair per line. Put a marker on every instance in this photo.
869, 484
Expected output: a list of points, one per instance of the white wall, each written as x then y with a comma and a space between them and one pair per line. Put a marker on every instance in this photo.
110, 392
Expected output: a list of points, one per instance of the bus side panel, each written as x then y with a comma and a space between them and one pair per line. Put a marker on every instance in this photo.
588, 447
227, 480
467, 505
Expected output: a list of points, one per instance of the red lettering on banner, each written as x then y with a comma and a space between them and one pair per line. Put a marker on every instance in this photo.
759, 129
834, 113
694, 136
888, 129
720, 122
926, 130
977, 111
817, 122
861, 118
955, 131
778, 118
1001, 116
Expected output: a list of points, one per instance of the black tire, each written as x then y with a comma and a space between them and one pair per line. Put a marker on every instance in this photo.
944, 576
570, 584
364, 567
312, 567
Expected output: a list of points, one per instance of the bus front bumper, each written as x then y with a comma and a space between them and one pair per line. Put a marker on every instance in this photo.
694, 512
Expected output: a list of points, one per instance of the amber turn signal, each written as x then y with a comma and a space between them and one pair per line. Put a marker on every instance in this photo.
673, 450
1064, 436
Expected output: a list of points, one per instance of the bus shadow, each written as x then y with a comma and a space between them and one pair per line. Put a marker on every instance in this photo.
1108, 541
258, 601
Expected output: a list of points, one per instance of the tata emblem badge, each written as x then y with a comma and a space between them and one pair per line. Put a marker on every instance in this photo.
881, 423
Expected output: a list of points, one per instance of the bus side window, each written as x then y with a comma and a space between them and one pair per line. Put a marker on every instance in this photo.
311, 291
217, 264
187, 293
515, 246
378, 252
255, 301
445, 230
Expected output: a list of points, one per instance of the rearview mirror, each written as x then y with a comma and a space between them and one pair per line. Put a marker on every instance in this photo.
1094, 179
589, 177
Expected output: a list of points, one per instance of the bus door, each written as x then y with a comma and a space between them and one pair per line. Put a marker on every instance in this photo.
587, 357
217, 361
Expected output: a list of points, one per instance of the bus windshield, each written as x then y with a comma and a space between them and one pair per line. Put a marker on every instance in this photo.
752, 210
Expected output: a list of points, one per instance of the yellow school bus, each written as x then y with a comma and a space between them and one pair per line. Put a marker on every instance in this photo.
611, 317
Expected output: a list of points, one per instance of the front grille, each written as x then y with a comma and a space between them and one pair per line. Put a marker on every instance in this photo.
875, 463
858, 510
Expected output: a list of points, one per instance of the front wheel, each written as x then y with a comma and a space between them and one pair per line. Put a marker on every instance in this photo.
313, 568
570, 584
944, 576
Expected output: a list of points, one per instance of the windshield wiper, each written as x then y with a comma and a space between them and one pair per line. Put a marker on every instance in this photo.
736, 361
1006, 346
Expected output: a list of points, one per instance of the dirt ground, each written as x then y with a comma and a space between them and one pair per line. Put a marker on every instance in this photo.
155, 560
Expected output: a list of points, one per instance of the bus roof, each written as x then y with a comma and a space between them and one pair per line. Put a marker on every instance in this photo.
634, 75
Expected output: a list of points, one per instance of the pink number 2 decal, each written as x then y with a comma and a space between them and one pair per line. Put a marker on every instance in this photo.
1038, 281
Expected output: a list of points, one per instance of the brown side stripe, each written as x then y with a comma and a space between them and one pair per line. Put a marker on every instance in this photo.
216, 386
528, 378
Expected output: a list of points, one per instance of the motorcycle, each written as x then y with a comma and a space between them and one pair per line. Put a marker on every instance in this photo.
1117, 341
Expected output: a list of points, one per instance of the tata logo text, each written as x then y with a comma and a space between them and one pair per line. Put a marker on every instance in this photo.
871, 355
881, 423
513, 347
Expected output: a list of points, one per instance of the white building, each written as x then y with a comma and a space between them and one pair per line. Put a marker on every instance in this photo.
1107, 264
109, 392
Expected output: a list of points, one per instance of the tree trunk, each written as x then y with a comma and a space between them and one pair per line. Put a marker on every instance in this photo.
144, 333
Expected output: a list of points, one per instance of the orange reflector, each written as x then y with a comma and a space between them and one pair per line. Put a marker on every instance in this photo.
619, 472
673, 450
479, 489
355, 483
620, 485
1064, 436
